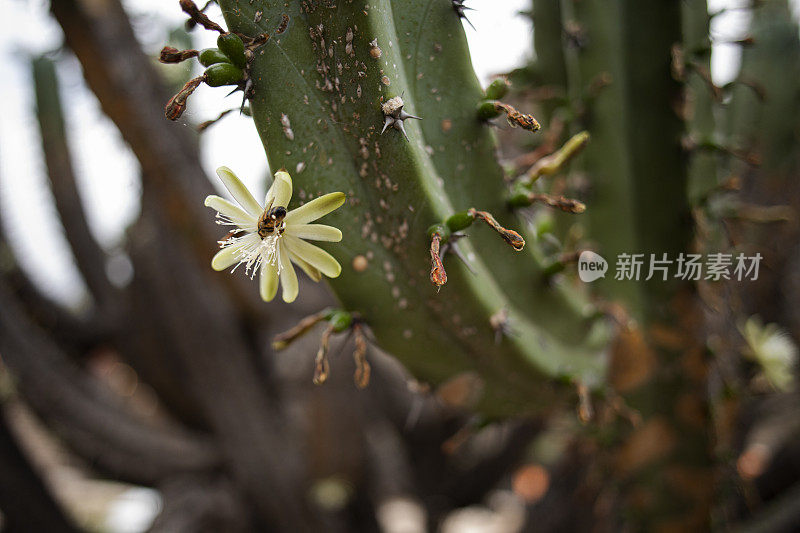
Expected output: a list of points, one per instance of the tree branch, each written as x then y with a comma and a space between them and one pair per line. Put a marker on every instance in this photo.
24, 500
89, 257
88, 418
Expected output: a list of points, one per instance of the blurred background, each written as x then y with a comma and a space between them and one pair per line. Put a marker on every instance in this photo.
119, 415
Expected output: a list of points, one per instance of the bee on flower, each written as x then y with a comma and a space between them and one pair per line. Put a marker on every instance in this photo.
268, 239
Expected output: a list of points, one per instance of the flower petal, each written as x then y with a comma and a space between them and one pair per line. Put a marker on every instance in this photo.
232, 254
310, 271
268, 284
315, 256
315, 232
288, 276
236, 214
316, 208
225, 258
281, 191
239, 191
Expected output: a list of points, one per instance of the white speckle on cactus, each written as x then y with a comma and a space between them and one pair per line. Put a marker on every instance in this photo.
287, 127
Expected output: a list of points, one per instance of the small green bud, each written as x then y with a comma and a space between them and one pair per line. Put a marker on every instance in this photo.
487, 110
519, 197
497, 89
221, 74
459, 221
519, 200
341, 321
441, 229
212, 56
233, 47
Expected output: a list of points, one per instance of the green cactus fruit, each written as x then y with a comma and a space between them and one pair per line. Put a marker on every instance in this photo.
340, 321
459, 221
497, 89
487, 110
232, 46
212, 56
220, 74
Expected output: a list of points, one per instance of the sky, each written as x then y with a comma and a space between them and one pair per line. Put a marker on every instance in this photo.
107, 172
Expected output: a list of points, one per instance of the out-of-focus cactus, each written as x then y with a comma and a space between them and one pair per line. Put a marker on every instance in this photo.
319, 86
627, 84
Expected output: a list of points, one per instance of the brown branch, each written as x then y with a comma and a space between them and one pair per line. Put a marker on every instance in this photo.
89, 419
198, 503
78, 333
26, 503
89, 257
202, 337
132, 94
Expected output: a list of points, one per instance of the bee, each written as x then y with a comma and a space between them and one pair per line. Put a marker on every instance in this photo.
270, 220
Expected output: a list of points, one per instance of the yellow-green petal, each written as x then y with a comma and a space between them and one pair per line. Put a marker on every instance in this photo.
239, 191
310, 271
315, 256
281, 191
268, 284
288, 276
315, 232
225, 258
230, 255
316, 208
236, 214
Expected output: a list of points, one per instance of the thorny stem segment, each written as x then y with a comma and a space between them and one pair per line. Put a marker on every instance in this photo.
322, 367
173, 55
567, 205
438, 274
585, 409
511, 237
515, 118
198, 17
282, 340
177, 104
338, 322
363, 370
555, 162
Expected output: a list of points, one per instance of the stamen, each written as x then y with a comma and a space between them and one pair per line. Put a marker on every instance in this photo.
253, 255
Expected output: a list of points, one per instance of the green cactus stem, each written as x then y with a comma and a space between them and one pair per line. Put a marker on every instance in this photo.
328, 72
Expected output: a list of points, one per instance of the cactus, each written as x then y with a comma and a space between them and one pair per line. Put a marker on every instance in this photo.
623, 88
322, 85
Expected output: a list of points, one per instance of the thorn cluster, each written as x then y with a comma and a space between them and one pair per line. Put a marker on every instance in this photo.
394, 115
460, 8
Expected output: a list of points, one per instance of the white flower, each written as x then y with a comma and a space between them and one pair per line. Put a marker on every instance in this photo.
773, 349
268, 239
